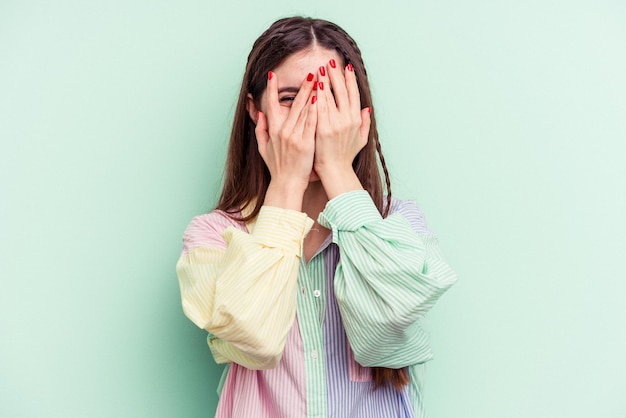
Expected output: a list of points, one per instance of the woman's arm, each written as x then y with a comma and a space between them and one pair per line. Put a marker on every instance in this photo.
388, 277
242, 287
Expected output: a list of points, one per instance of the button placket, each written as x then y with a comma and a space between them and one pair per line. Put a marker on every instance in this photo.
311, 278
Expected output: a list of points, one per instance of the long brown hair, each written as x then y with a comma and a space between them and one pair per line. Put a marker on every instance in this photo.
246, 176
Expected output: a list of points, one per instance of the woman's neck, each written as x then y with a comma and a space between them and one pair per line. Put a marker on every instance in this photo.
313, 203
314, 199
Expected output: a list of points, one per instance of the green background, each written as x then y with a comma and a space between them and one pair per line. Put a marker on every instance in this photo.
505, 120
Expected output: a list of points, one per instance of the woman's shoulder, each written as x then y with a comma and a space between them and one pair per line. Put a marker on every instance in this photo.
410, 210
206, 230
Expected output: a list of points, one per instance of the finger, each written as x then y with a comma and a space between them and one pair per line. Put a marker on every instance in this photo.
323, 118
352, 88
325, 95
338, 85
262, 136
366, 121
298, 129
310, 125
300, 102
271, 96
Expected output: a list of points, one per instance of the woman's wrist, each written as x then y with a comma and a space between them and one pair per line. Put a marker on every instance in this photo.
338, 180
285, 194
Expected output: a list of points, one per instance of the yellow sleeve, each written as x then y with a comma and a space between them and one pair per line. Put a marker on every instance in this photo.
245, 294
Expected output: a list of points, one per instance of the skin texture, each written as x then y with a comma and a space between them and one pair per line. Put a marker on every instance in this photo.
309, 145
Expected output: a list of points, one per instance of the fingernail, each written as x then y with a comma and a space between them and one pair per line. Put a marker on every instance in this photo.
332, 63
270, 75
309, 77
369, 110
313, 99
258, 115
322, 71
350, 67
321, 85
315, 86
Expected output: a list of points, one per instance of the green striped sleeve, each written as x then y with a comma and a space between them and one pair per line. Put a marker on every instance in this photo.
387, 278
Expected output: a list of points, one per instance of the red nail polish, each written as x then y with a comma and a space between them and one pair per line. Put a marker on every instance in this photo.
270, 75
315, 86
350, 67
321, 85
322, 71
309, 77
332, 63
369, 110
313, 99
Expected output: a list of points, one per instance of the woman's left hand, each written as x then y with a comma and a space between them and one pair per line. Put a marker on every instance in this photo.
342, 129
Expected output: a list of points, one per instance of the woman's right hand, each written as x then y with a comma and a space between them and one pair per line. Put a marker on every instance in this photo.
286, 141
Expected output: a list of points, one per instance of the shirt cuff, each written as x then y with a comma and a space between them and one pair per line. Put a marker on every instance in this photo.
349, 211
282, 228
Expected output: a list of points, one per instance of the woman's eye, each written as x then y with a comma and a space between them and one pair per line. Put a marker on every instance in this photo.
286, 100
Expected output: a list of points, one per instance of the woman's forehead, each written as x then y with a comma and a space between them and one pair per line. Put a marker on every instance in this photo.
296, 66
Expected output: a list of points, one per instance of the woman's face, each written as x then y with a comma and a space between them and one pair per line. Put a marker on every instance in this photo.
290, 74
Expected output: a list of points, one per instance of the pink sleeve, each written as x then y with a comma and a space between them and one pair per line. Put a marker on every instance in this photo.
206, 231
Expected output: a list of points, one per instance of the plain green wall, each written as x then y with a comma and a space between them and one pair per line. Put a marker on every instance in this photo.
505, 120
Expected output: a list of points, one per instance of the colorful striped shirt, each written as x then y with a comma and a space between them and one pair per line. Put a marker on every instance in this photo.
300, 338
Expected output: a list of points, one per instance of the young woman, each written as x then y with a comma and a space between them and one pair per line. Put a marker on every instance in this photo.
310, 281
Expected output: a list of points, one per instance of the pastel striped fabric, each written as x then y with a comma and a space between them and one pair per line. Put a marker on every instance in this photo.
299, 337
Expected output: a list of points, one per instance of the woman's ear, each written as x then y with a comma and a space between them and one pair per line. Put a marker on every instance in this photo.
252, 109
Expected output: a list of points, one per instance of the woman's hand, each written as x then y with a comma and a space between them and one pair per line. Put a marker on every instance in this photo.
342, 129
286, 142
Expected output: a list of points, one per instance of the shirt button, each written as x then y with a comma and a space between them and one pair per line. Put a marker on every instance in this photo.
314, 354
317, 293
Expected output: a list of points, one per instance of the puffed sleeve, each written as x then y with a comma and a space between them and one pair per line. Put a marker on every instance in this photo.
241, 287
390, 274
